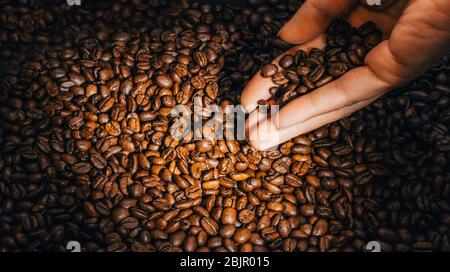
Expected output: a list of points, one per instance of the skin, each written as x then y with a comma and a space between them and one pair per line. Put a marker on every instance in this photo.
417, 34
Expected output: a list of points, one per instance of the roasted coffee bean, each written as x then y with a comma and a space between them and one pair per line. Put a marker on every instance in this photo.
227, 231
279, 78
210, 226
336, 69
269, 70
242, 235
118, 214
286, 61
284, 228
229, 216
320, 228
246, 216
204, 145
164, 81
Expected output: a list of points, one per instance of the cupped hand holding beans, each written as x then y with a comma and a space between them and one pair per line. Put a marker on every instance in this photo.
416, 33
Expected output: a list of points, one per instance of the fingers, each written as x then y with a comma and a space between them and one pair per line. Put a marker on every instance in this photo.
267, 136
312, 19
385, 20
264, 135
254, 119
258, 87
353, 91
355, 86
420, 38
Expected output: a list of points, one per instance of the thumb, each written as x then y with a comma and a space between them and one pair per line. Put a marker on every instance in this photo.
312, 19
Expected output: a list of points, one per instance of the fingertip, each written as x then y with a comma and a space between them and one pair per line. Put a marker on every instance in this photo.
264, 136
257, 145
312, 19
289, 33
247, 101
262, 146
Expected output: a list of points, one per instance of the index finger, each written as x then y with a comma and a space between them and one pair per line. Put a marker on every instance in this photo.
355, 86
313, 18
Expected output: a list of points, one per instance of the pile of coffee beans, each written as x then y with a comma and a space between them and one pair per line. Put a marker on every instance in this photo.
86, 152
346, 48
408, 138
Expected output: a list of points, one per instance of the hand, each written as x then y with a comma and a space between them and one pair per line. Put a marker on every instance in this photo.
417, 31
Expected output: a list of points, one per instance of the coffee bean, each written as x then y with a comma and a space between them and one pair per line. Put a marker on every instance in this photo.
307, 209
320, 228
279, 78
118, 214
177, 238
204, 145
164, 81
190, 244
269, 70
284, 228
106, 74
242, 235
210, 226
313, 180
246, 216
287, 61
229, 216
336, 69
227, 231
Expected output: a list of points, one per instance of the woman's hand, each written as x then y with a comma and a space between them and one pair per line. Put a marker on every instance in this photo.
417, 34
